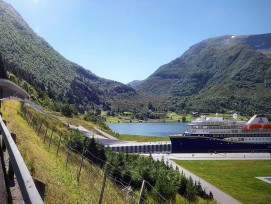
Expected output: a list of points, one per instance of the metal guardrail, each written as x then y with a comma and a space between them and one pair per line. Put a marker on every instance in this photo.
27, 186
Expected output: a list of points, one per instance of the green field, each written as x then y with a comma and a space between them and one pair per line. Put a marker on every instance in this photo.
140, 138
236, 178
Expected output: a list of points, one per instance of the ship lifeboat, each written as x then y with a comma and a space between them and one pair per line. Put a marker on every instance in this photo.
267, 126
245, 129
255, 126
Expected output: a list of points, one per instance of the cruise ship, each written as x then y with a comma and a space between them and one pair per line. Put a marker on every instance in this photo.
216, 134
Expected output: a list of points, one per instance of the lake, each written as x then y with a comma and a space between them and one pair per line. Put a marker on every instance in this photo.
149, 129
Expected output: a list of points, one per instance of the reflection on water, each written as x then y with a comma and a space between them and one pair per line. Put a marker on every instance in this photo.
149, 129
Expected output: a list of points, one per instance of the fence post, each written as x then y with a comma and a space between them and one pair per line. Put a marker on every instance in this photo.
45, 133
58, 143
30, 118
81, 163
36, 130
141, 192
51, 137
27, 116
103, 186
40, 128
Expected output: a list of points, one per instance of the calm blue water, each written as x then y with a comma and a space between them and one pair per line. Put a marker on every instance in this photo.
149, 129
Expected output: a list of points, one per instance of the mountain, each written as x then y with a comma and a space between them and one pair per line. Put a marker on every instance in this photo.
134, 83
218, 74
27, 57
227, 72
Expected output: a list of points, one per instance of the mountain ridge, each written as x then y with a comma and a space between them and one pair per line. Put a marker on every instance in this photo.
222, 67
30, 58
217, 74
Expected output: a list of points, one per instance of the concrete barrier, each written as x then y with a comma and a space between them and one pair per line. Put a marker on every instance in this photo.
142, 147
27, 186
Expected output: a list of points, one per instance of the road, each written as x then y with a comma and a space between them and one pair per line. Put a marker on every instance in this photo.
105, 134
3, 192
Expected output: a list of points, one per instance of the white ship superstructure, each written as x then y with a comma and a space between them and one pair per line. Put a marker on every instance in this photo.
219, 134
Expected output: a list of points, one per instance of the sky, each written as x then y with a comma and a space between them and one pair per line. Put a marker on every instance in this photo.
126, 40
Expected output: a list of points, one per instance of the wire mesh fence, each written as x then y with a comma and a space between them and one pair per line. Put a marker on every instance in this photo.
81, 168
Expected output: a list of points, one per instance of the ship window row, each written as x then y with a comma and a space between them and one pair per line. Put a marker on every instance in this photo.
215, 127
244, 135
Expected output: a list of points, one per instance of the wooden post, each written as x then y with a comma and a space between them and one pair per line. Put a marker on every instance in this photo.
37, 125
45, 133
40, 128
30, 118
58, 143
27, 115
141, 192
81, 163
51, 137
103, 186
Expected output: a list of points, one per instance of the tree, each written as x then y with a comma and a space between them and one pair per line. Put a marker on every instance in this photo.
183, 184
67, 110
190, 191
165, 186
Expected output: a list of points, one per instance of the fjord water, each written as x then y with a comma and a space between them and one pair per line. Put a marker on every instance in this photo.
149, 129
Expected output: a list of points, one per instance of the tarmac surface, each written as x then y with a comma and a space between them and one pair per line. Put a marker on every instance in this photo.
3, 191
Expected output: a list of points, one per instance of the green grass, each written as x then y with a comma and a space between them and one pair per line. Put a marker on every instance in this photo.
44, 164
140, 138
236, 178
170, 117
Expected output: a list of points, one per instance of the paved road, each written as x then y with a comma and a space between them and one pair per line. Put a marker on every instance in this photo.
219, 195
3, 192
105, 134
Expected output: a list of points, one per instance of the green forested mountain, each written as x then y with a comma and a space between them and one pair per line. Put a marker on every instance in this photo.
28, 57
217, 74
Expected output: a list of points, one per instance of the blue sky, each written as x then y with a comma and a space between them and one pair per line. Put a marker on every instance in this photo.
124, 40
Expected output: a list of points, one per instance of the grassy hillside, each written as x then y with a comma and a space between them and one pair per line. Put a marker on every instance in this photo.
46, 165
30, 58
